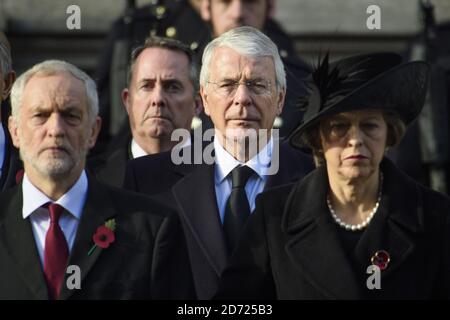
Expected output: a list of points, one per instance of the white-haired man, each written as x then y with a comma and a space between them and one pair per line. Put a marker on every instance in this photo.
243, 86
59, 222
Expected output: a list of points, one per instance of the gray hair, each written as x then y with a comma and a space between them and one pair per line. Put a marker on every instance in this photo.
169, 44
5, 56
51, 67
247, 41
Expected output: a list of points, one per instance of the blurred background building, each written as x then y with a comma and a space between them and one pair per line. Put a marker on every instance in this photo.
37, 28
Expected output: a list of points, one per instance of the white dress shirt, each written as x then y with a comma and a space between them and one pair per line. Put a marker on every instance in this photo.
72, 201
137, 151
225, 163
2, 148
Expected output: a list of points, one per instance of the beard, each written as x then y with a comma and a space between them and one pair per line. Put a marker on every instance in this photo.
54, 166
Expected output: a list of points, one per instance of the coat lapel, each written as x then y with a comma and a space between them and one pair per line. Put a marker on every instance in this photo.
399, 217
292, 166
196, 197
115, 165
18, 240
97, 210
313, 244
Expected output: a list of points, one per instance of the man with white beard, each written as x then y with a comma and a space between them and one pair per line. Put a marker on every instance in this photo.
62, 234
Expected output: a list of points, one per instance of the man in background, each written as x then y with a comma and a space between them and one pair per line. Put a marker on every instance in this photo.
161, 96
243, 88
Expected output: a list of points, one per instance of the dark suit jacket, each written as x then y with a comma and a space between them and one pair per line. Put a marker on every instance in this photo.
292, 249
147, 259
195, 199
155, 173
110, 166
11, 163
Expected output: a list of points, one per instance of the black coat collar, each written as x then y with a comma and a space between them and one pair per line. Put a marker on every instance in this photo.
313, 244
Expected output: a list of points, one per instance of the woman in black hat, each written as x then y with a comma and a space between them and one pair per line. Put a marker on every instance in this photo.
356, 227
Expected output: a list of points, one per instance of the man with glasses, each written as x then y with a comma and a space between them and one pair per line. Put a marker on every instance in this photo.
243, 87
224, 15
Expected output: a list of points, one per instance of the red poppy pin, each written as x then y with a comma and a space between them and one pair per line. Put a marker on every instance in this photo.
104, 236
381, 259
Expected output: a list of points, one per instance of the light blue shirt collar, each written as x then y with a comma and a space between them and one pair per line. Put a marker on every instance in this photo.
225, 162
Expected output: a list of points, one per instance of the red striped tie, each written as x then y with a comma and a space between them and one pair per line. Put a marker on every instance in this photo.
56, 252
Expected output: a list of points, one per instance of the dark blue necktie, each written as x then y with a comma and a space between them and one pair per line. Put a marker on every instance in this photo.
237, 208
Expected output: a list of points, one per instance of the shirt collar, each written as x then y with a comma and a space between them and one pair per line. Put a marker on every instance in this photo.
72, 201
225, 162
137, 151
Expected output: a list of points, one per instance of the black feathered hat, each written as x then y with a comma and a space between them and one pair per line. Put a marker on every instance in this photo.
370, 81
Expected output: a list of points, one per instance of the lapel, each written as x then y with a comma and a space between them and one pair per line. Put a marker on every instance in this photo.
17, 238
292, 166
312, 242
155, 173
115, 164
182, 169
196, 197
96, 211
314, 246
399, 218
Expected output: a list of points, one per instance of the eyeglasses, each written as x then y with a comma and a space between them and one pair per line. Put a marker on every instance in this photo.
228, 88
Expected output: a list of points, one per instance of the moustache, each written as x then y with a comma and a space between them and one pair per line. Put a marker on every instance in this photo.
60, 145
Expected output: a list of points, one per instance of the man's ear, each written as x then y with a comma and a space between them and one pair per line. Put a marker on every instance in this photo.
205, 10
13, 131
280, 101
126, 99
95, 130
198, 105
204, 96
9, 80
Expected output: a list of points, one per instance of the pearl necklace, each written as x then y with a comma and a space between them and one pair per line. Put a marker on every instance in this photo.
362, 225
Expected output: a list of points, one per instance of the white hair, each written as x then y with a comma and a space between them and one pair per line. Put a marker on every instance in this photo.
51, 67
249, 42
